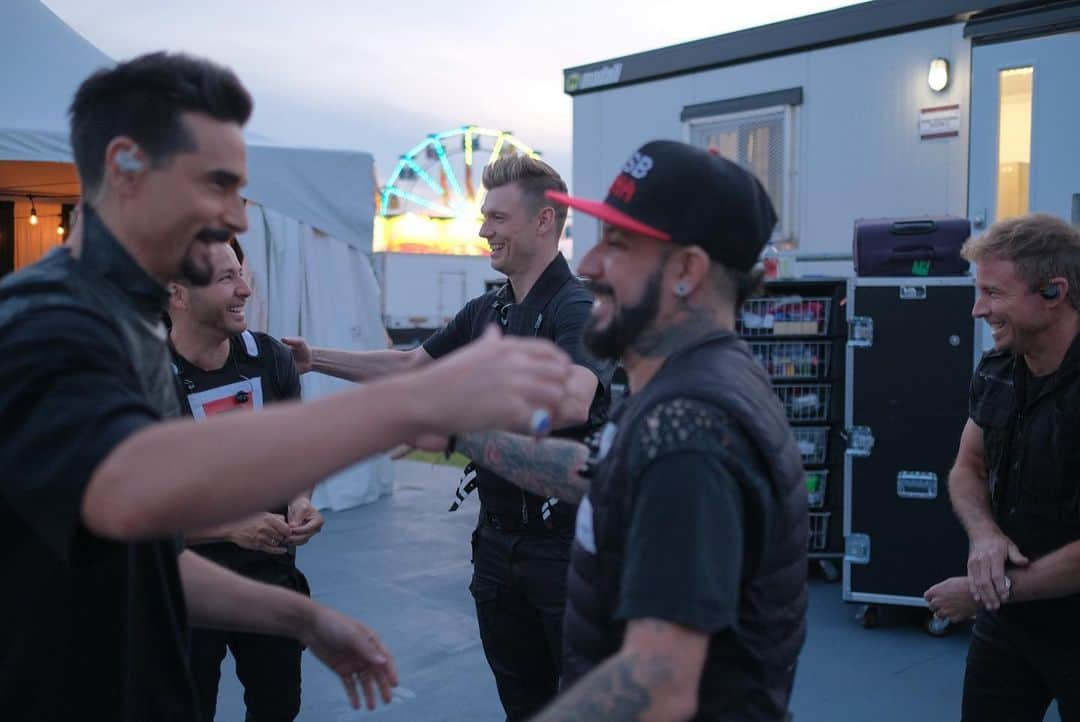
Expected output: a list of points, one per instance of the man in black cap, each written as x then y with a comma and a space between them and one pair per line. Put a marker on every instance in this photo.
687, 587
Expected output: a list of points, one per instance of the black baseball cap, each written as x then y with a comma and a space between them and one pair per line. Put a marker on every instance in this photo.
676, 192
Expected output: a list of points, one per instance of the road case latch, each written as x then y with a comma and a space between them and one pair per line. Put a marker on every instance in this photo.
916, 485
860, 441
857, 548
860, 332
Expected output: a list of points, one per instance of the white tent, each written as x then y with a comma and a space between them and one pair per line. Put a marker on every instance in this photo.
309, 211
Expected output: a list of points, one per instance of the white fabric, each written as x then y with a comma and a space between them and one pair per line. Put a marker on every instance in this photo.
332, 190
319, 285
42, 63
309, 284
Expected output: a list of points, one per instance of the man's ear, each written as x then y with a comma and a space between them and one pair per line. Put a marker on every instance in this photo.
545, 220
177, 295
124, 165
690, 270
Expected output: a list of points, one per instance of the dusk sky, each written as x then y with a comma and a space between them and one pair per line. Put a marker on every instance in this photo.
380, 76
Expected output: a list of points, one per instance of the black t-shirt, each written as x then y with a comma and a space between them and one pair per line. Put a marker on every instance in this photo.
684, 547
261, 375
692, 531
557, 307
1034, 385
568, 311
92, 628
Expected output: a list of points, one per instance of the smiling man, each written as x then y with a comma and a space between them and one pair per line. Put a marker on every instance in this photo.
95, 492
687, 588
220, 367
522, 543
1016, 482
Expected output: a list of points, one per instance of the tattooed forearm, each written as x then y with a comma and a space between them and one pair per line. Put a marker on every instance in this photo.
549, 468
620, 690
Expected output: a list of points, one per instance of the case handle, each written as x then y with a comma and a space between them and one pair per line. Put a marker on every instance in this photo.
913, 228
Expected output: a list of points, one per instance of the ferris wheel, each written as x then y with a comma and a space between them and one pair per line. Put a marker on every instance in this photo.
439, 178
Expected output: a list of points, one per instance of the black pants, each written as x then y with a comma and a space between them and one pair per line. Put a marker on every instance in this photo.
519, 585
1014, 672
268, 667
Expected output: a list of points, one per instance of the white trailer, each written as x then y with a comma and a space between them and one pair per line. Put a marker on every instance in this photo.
421, 292
852, 113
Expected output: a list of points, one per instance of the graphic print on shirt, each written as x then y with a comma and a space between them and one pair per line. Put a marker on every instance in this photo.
237, 396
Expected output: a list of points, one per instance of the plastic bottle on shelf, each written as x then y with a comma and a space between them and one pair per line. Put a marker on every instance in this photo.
770, 262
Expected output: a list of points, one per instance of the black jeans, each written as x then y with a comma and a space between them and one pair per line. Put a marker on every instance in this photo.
519, 585
1014, 670
268, 667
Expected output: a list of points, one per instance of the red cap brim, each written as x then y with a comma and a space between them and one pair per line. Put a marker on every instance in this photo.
608, 214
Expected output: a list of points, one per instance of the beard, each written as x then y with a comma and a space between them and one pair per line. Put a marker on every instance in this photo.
626, 325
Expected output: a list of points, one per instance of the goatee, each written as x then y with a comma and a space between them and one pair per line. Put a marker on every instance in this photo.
626, 325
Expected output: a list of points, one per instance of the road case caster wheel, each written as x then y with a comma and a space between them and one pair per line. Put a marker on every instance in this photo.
868, 616
829, 570
937, 627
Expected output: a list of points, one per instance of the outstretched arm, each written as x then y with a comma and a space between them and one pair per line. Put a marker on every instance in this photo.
180, 475
354, 365
552, 467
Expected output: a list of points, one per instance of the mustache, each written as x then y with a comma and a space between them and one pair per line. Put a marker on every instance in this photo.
599, 289
214, 235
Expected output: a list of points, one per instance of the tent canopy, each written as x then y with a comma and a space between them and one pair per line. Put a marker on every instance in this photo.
310, 219
43, 63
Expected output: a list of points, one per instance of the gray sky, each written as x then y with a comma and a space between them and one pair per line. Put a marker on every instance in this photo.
380, 76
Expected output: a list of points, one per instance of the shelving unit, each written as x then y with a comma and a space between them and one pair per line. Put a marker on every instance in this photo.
798, 333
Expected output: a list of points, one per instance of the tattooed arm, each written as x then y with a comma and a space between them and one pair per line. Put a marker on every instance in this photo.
549, 468
653, 678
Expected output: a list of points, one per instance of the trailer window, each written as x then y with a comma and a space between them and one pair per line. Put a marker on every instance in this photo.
760, 141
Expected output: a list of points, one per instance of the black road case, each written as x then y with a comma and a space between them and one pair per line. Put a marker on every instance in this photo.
912, 347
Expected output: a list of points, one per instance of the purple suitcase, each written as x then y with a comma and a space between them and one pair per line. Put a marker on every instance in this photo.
910, 246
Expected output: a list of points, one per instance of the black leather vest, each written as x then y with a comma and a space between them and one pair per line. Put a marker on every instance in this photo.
1032, 454
1033, 462
106, 282
749, 671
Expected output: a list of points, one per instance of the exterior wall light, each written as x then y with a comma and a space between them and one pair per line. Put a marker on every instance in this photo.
938, 77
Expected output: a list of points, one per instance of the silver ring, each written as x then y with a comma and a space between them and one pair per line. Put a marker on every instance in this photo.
540, 423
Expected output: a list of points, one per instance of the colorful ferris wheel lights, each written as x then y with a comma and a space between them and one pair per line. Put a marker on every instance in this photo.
437, 208
438, 176
498, 148
423, 174
441, 153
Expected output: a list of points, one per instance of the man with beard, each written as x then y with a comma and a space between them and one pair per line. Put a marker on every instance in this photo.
521, 545
1016, 482
221, 367
95, 493
687, 588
